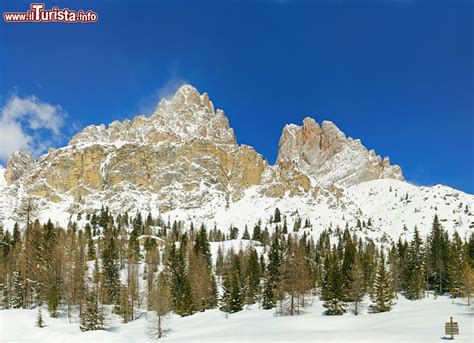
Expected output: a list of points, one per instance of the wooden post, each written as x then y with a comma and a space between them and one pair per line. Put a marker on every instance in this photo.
452, 329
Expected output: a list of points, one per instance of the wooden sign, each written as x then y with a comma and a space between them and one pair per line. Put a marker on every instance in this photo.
451, 328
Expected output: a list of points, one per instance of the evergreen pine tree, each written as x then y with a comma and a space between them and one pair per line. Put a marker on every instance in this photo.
186, 305
179, 283
369, 264
257, 233
17, 290
94, 220
90, 243
236, 303
456, 264
232, 298
274, 260
219, 262
253, 277
399, 261
332, 286
277, 216
111, 267
91, 315
383, 289
470, 250
133, 244
138, 223
51, 259
273, 273
268, 298
149, 220
246, 234
54, 298
234, 233
202, 245
39, 318
347, 263
438, 255
16, 235
415, 268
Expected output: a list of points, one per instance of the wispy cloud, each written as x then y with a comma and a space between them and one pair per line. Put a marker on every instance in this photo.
170, 88
148, 104
27, 123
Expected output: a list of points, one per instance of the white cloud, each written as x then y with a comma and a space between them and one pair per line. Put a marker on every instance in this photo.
12, 138
170, 88
147, 105
21, 120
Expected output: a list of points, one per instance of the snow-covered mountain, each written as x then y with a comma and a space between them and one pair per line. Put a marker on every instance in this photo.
326, 154
184, 162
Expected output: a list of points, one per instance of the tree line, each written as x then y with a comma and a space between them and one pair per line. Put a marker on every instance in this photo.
129, 264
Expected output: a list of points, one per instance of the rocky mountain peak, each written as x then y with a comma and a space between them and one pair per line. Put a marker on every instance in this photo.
186, 116
18, 164
185, 154
191, 115
187, 100
325, 153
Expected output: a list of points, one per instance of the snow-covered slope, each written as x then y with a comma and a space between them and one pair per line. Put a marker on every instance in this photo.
393, 204
383, 202
409, 322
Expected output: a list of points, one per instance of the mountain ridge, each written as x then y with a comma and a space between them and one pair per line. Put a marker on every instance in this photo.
185, 158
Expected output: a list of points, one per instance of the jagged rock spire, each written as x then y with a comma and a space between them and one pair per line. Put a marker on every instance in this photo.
186, 116
325, 153
18, 164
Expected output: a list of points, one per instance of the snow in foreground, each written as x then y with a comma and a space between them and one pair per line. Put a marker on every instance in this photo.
417, 321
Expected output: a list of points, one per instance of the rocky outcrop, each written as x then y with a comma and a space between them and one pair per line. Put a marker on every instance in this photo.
18, 164
185, 155
327, 155
186, 117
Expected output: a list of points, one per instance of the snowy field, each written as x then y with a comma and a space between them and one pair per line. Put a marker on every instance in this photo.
417, 321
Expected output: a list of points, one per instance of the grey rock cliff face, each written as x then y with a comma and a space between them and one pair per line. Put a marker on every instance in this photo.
326, 154
18, 164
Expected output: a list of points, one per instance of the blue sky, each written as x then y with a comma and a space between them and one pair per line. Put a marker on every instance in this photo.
396, 74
